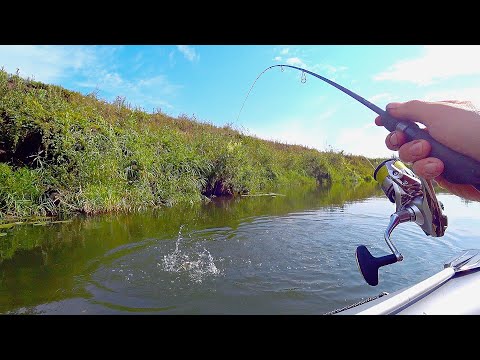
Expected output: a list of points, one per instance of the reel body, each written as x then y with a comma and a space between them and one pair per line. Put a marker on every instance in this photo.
415, 201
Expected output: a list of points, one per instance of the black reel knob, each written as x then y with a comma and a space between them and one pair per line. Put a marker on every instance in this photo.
369, 265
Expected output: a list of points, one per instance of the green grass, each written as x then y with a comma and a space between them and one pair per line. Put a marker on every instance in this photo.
63, 153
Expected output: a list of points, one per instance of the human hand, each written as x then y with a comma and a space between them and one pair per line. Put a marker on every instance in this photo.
455, 124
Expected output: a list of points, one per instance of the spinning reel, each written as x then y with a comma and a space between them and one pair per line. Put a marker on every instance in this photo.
415, 201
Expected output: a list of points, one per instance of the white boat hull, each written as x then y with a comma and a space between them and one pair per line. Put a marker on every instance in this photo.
452, 291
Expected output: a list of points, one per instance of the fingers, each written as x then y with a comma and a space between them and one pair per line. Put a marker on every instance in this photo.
408, 151
454, 123
414, 150
415, 110
428, 168
395, 139
428, 113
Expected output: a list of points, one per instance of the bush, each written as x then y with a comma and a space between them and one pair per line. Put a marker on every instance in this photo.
62, 152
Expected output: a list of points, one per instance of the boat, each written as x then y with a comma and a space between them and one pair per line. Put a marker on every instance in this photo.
452, 291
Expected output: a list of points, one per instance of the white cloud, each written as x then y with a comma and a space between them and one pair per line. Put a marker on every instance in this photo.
383, 97
368, 140
330, 68
295, 61
295, 131
91, 68
139, 62
112, 80
296, 56
45, 63
159, 83
437, 62
171, 57
149, 91
189, 52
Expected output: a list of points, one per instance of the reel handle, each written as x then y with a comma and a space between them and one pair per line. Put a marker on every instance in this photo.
369, 265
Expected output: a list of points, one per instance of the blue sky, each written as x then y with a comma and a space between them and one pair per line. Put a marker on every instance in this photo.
210, 82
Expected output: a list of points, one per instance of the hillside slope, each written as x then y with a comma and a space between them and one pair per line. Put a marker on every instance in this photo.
62, 152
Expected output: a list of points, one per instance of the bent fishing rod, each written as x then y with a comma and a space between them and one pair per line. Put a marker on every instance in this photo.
458, 168
414, 197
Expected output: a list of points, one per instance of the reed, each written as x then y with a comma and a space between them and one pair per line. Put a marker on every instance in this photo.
63, 153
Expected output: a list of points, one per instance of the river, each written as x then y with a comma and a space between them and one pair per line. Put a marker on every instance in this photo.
287, 254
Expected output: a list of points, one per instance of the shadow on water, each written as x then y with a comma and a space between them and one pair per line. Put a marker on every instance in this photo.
48, 264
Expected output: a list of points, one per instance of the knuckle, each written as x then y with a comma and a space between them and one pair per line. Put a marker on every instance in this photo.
409, 153
412, 104
389, 143
404, 154
420, 171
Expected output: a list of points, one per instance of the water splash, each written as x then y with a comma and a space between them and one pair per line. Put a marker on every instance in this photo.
197, 264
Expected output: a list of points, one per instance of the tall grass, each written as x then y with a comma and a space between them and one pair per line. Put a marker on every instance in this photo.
62, 152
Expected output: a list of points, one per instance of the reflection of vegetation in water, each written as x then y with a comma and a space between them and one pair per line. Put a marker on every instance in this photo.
44, 263
118, 229
63, 153
40, 264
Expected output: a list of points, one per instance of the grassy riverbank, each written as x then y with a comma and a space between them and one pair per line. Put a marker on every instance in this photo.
63, 153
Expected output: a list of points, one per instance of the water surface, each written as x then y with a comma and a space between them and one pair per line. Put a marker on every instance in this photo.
291, 254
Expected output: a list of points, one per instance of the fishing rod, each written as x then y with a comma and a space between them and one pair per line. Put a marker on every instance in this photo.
458, 168
414, 197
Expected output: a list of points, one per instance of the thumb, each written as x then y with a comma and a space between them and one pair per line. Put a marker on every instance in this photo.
423, 112
455, 124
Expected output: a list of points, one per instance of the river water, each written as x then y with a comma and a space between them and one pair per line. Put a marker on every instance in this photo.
287, 254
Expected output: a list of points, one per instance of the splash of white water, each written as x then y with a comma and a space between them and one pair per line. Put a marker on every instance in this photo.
196, 264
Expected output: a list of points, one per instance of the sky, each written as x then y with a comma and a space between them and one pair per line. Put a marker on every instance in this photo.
210, 83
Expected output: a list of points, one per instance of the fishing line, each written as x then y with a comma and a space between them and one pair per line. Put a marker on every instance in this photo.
458, 168
303, 80
249, 91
